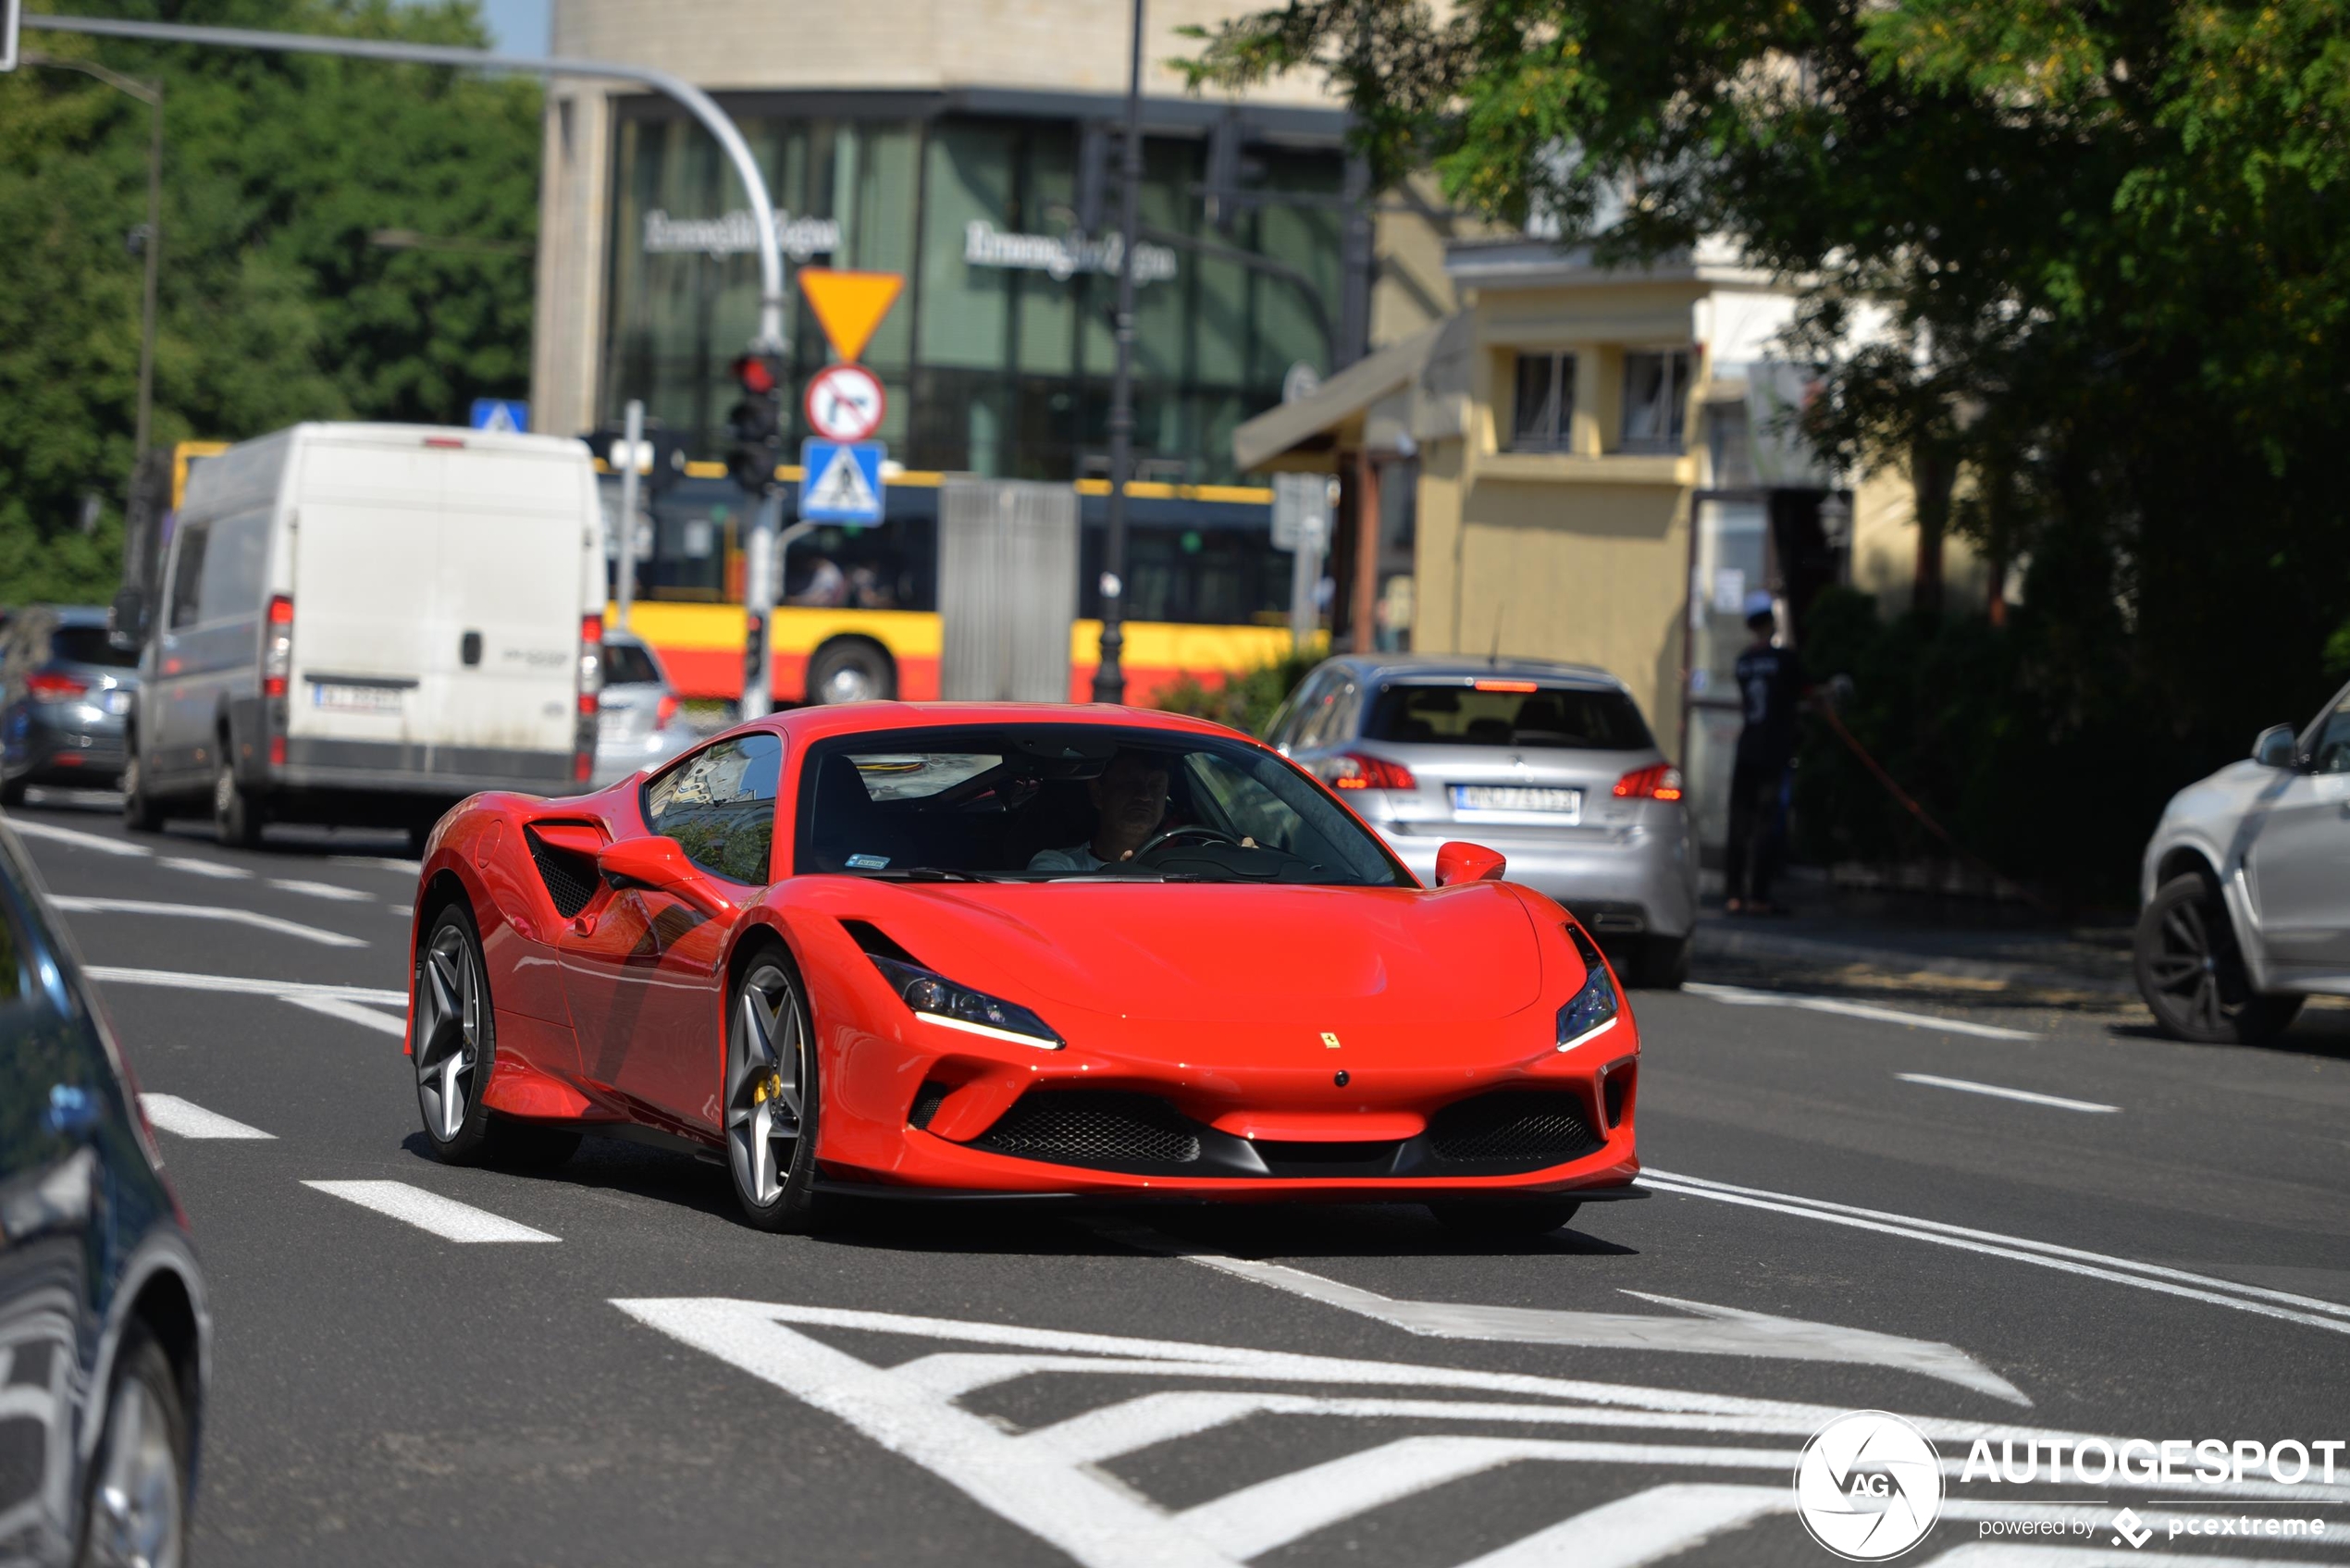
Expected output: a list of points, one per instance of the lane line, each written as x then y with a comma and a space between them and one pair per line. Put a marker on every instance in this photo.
188, 1119
1740, 996
76, 903
445, 1217
245, 985
2210, 1292
381, 862
77, 839
204, 868
1645, 1527
320, 889
355, 1012
1971, 1087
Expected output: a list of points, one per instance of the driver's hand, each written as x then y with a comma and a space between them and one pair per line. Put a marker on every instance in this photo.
1248, 843
1128, 856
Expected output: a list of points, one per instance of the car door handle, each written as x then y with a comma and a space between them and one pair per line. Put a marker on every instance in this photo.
73, 1111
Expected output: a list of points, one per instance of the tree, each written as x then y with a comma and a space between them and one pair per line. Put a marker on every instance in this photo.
275, 304
2102, 246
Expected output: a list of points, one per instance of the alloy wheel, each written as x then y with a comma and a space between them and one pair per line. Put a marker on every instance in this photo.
138, 1495
765, 1046
449, 998
2196, 967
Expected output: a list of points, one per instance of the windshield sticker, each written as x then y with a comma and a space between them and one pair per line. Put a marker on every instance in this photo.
867, 862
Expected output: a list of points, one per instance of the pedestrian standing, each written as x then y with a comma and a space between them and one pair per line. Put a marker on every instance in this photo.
1770, 687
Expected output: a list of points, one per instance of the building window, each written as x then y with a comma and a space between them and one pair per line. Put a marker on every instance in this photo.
1545, 418
1656, 402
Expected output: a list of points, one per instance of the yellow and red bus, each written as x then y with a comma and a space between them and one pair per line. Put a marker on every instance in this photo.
1206, 594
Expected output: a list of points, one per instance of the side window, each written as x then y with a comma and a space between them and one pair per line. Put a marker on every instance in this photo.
235, 562
187, 572
720, 806
1327, 724
2332, 754
1286, 718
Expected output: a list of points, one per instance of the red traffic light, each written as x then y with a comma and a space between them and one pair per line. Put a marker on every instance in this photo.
755, 373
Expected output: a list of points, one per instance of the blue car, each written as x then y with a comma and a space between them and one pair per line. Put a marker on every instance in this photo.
104, 1329
68, 691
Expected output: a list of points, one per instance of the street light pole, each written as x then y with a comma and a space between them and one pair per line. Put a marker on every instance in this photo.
1109, 677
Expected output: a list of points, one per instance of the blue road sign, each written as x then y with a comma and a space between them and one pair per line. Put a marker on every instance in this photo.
510, 416
841, 481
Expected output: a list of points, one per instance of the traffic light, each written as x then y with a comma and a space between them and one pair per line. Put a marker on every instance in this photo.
755, 424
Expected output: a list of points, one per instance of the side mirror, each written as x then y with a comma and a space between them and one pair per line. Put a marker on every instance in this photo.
659, 864
2275, 748
1459, 861
127, 620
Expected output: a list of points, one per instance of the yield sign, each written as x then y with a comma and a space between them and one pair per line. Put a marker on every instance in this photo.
849, 305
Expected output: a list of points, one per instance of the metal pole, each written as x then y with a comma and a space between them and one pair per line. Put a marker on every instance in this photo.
695, 101
769, 539
625, 578
1109, 677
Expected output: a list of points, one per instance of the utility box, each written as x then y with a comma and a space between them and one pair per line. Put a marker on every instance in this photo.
1007, 589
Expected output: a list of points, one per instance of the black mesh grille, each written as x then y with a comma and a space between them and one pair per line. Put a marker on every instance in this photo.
934, 1094
1092, 1128
1515, 1126
570, 879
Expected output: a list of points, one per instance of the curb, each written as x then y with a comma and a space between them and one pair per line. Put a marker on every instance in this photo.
1713, 941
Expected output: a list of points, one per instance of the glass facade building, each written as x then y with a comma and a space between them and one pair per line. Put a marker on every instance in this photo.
998, 358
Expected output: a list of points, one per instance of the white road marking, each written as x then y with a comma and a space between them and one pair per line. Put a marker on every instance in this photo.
405, 912
1711, 1330
2320, 1314
355, 1012
76, 903
319, 889
445, 1217
1045, 1480
1740, 996
77, 839
188, 1119
382, 862
1969, 1086
288, 990
203, 868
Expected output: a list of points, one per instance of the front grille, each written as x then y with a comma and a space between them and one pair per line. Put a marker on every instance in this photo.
926, 1103
1089, 1128
570, 879
1515, 1126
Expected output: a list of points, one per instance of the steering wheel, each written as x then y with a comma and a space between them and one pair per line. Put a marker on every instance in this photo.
1189, 830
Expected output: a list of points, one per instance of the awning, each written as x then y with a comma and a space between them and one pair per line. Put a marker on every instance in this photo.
1369, 403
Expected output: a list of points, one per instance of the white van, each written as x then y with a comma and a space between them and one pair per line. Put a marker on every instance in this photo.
367, 622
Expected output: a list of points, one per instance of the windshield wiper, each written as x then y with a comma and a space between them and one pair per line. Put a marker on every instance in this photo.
927, 873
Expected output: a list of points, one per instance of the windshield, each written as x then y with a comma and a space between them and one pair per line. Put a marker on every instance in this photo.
625, 664
1049, 802
88, 644
1506, 712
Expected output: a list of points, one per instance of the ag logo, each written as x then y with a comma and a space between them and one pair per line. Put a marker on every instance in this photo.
1869, 1485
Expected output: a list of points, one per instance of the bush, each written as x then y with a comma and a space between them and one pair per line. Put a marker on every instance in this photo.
1245, 701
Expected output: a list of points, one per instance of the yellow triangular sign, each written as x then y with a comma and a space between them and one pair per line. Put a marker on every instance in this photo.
849, 305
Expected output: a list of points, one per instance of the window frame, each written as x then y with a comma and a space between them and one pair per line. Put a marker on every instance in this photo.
1558, 406
1677, 385
198, 532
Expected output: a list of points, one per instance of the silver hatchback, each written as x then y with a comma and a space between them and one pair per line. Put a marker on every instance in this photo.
639, 722
1551, 764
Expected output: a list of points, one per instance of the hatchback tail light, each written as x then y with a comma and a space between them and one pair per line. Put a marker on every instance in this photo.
591, 681
277, 649
47, 685
1662, 781
664, 711
1352, 769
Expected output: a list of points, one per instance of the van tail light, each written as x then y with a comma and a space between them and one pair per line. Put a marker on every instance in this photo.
47, 685
665, 711
277, 649
276, 751
1662, 781
1351, 770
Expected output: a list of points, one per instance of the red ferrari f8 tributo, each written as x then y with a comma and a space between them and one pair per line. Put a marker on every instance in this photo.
1012, 950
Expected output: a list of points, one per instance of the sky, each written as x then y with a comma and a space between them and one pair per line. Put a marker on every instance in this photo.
517, 27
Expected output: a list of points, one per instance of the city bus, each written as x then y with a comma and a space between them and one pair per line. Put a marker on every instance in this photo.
1207, 595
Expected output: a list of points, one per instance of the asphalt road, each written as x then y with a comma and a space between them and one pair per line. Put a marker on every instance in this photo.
633, 1377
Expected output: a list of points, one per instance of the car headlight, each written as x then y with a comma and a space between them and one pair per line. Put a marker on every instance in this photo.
936, 999
1593, 1010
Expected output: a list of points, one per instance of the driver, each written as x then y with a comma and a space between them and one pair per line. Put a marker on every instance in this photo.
1130, 798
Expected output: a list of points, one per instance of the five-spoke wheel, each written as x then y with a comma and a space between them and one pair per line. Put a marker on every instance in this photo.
2192, 972
771, 1097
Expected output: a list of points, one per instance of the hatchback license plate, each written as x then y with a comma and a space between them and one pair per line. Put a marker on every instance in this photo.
1564, 806
354, 699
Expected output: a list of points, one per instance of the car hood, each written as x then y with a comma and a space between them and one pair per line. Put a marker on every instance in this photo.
1245, 954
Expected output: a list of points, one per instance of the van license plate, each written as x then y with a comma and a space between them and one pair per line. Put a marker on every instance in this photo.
354, 699
1564, 806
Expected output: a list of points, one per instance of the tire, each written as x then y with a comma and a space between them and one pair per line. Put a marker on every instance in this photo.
850, 671
456, 1042
137, 1506
140, 814
2192, 973
1501, 1218
1664, 962
771, 1064
237, 813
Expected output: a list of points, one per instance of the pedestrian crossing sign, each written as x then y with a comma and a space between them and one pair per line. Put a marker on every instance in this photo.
841, 481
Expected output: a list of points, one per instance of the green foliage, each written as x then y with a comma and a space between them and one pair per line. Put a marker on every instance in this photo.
2103, 247
275, 306
1244, 701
